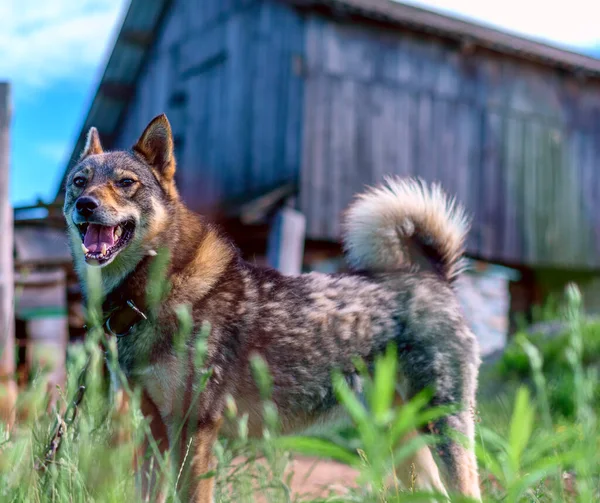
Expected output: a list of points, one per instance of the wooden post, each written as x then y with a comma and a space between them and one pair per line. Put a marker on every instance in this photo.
42, 304
8, 385
285, 246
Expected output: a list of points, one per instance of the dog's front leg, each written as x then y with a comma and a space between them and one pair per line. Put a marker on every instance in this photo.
199, 486
150, 477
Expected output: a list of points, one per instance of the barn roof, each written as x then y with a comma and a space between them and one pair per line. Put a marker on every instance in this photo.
418, 19
143, 20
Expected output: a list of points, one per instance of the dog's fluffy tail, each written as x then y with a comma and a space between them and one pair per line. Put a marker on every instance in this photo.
406, 224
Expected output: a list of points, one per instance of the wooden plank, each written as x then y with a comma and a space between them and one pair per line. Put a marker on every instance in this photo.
161, 85
436, 138
591, 212
470, 156
584, 196
296, 65
290, 74
238, 71
529, 198
342, 159
574, 154
8, 387
490, 189
405, 119
216, 143
447, 161
200, 13
463, 155
208, 134
142, 102
312, 145
323, 187
284, 69
363, 167
195, 184
315, 132
384, 146
263, 104
513, 169
277, 41
564, 232
250, 56
201, 161
308, 119
424, 128
546, 179
186, 159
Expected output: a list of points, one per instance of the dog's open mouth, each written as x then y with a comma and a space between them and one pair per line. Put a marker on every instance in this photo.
102, 242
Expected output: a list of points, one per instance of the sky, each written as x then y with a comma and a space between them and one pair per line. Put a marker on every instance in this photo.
53, 53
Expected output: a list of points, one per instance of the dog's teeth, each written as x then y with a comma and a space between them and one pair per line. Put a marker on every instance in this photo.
152, 253
118, 231
85, 250
104, 249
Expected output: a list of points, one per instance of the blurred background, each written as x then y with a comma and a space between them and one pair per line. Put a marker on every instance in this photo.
282, 110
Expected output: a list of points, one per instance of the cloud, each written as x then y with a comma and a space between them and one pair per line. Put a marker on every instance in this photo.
44, 43
572, 24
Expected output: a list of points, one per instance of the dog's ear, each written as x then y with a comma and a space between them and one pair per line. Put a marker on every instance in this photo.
92, 144
156, 147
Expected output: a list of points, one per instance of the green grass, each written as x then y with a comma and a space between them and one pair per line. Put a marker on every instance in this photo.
537, 433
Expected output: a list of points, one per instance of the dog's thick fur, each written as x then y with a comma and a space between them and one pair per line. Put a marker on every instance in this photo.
405, 243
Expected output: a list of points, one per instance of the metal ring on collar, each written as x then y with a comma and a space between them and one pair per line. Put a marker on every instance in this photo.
110, 330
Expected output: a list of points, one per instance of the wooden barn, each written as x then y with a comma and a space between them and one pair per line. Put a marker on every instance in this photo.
283, 109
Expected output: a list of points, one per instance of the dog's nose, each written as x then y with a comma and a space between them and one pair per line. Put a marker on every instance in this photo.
86, 205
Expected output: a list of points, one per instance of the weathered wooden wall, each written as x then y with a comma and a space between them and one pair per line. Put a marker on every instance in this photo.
519, 144
223, 71
259, 94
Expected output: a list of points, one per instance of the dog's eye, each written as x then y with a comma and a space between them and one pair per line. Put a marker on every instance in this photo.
79, 181
125, 182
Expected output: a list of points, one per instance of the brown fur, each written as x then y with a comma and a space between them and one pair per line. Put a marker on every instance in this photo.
303, 327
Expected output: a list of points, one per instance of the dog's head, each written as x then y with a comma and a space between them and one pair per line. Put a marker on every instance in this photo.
117, 204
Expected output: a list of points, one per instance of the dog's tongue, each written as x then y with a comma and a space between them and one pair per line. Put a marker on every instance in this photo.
97, 235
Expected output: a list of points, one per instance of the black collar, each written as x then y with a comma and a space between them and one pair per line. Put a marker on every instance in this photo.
121, 319
123, 309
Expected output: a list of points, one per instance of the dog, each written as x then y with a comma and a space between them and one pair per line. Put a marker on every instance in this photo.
404, 241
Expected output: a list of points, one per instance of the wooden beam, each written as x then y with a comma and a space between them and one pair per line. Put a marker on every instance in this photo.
397, 14
8, 385
467, 46
256, 210
40, 204
117, 91
138, 38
